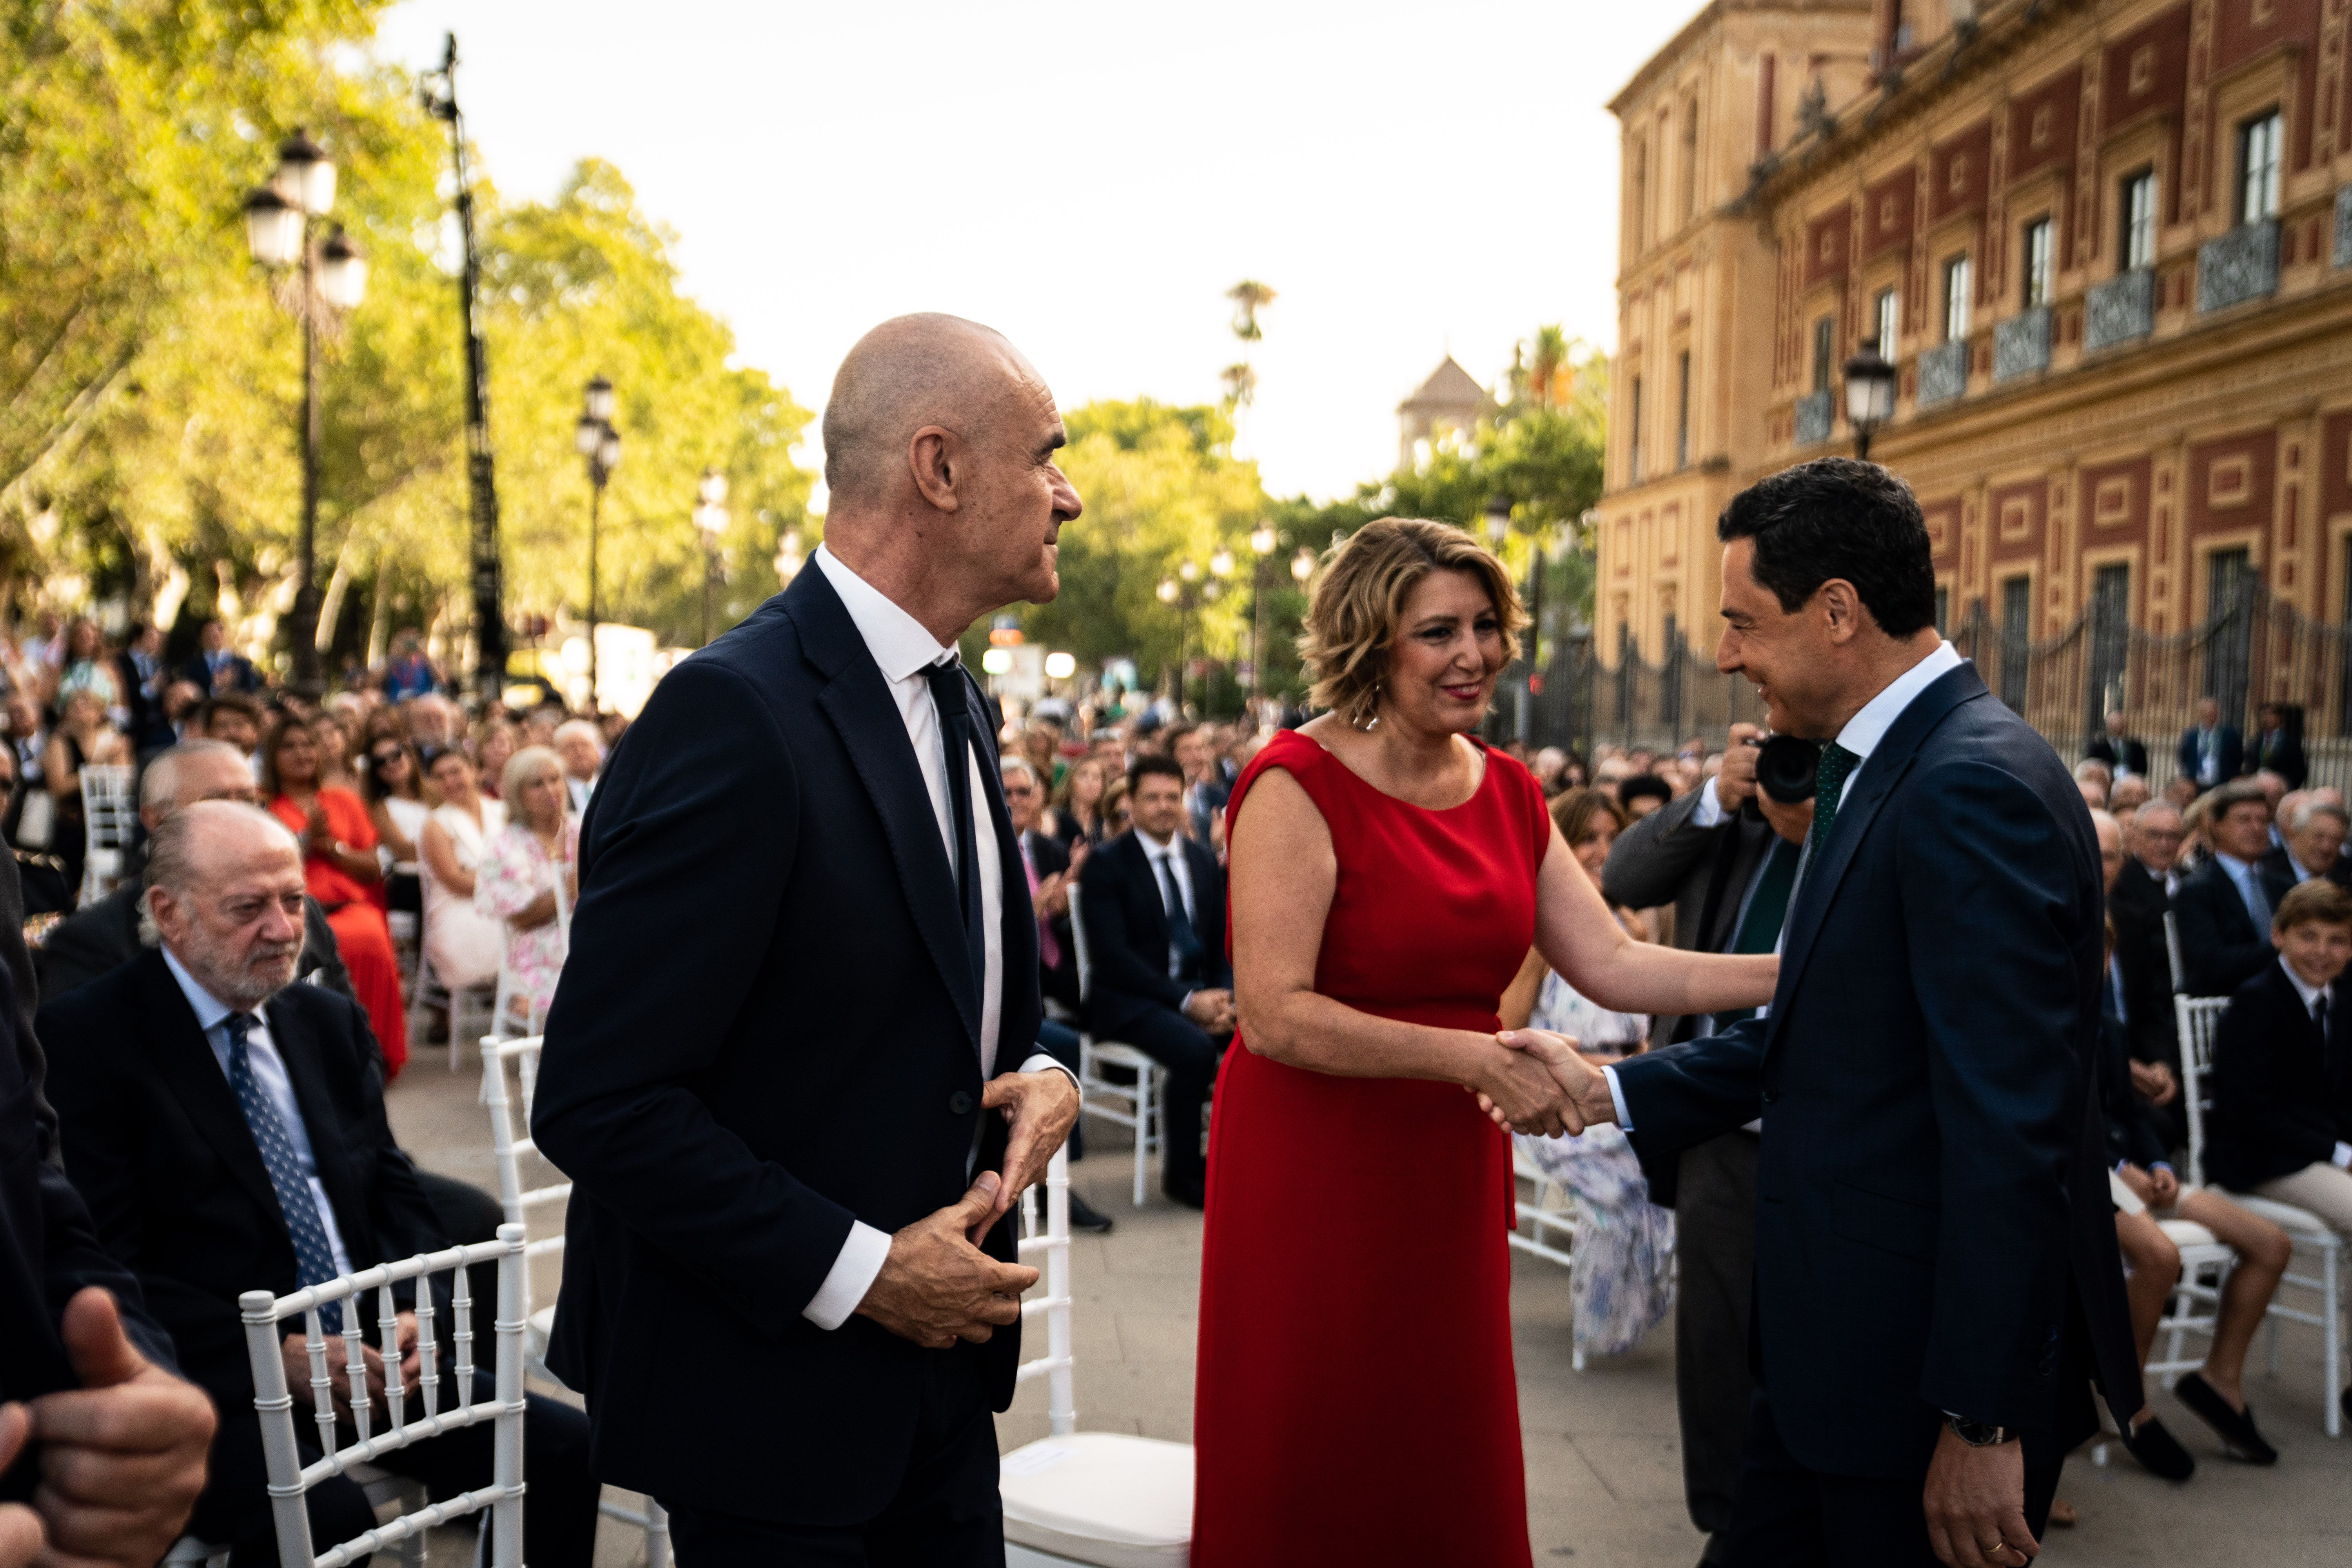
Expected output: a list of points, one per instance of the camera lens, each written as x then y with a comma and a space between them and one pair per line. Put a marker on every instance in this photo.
1786, 766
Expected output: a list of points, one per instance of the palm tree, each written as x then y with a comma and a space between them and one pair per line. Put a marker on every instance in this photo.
1250, 297
1551, 358
1241, 385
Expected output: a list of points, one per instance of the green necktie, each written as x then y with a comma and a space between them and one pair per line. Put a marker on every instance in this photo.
1829, 785
1768, 908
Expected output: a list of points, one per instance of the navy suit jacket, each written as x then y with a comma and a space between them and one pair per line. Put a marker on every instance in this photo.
1127, 931
2229, 745
2282, 1095
1933, 1227
2221, 949
766, 1030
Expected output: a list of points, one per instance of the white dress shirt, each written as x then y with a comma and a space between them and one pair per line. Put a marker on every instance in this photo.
904, 650
270, 1077
1862, 735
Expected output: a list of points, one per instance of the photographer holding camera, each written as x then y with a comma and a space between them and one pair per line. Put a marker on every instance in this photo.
1725, 856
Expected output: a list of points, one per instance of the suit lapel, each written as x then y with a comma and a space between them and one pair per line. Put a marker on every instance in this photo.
183, 1059
857, 702
1880, 772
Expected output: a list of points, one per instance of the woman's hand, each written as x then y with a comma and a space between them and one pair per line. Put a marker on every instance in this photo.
1583, 1084
1516, 1089
321, 835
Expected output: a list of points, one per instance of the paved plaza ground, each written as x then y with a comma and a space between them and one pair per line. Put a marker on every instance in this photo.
1604, 1464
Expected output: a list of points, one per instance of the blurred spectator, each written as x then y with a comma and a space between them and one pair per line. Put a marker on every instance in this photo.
340, 868
2128, 793
463, 944
2092, 768
539, 725
181, 701
145, 679
2211, 752
32, 812
530, 873
2139, 896
1078, 815
494, 742
87, 667
2314, 845
408, 673
1117, 819
335, 770
1641, 794
2223, 911
2124, 752
1205, 789
433, 725
2181, 791
1048, 863
82, 737
582, 750
1042, 744
2278, 744
1550, 771
217, 667
2094, 794
398, 802
237, 718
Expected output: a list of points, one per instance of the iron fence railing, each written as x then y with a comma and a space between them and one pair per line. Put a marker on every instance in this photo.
2253, 651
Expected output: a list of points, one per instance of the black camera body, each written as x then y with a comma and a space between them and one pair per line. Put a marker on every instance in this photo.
1787, 766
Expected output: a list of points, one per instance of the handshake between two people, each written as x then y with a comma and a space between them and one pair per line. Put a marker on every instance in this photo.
1539, 1083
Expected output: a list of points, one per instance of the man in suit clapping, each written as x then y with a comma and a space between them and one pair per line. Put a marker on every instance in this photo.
791, 1067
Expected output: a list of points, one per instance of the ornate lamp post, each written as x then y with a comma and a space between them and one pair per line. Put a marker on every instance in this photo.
599, 443
278, 231
1262, 541
1869, 394
710, 519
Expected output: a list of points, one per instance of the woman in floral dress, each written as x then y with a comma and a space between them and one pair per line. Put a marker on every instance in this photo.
530, 875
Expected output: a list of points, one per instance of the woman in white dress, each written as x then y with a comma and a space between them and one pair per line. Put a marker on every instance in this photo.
464, 945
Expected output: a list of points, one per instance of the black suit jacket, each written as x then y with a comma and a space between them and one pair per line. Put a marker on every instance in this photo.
2220, 948
1934, 1232
2282, 752
2130, 757
2282, 1095
1127, 931
2136, 1130
156, 1141
2278, 870
2138, 903
100, 938
242, 675
767, 1030
1703, 871
2229, 745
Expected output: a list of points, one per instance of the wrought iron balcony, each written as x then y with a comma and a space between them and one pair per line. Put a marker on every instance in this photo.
1815, 415
1943, 372
2021, 346
2241, 265
2120, 311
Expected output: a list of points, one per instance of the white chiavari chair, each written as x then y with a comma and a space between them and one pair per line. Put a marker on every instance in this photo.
1136, 1103
1108, 1500
290, 1479
109, 812
520, 1201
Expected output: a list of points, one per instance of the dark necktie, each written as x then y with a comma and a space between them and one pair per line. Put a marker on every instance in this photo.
314, 1261
955, 739
2319, 1017
1767, 908
1829, 788
1180, 934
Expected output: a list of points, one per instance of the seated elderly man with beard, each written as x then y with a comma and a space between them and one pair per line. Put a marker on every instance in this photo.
227, 1129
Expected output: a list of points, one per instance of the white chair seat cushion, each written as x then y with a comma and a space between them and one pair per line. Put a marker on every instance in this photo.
1101, 1498
2301, 1224
543, 1326
2185, 1233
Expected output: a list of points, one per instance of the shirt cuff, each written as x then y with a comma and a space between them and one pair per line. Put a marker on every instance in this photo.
2342, 1158
1617, 1098
851, 1275
2154, 1165
1040, 1062
1708, 813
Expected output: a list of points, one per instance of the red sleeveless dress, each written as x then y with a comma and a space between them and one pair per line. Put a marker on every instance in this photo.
1355, 1401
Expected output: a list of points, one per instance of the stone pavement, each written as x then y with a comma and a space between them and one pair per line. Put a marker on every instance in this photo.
1604, 1464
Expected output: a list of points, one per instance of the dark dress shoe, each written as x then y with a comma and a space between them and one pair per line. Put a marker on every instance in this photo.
2234, 1428
1084, 1216
2158, 1452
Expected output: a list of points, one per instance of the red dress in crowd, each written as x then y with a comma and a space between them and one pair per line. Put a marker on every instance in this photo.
1355, 1399
356, 910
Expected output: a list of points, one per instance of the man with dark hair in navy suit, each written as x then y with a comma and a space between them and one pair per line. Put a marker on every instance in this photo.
791, 1068
1936, 1279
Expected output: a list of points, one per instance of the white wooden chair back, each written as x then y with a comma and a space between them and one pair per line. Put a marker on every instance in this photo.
2196, 1019
108, 811
1136, 1105
1049, 1239
291, 1479
2172, 953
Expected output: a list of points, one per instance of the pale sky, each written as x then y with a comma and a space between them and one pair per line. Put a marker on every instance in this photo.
1091, 179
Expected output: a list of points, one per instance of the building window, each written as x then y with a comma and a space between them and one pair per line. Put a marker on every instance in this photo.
1825, 350
2258, 167
1641, 195
1690, 160
1633, 433
1958, 275
2016, 636
2037, 262
1682, 415
2137, 245
1888, 313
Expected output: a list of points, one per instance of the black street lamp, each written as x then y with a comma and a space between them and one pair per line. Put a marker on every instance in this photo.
279, 233
1262, 541
599, 443
1179, 591
1869, 394
710, 521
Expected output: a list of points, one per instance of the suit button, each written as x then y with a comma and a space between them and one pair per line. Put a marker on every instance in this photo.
958, 1104
1771, 1096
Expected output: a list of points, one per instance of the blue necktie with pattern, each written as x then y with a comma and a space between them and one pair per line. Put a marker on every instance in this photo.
314, 1261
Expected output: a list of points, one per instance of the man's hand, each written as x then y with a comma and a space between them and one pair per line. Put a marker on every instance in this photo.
2163, 1187
1042, 1108
1516, 1089
1212, 1010
2154, 1080
21, 1537
1586, 1086
1735, 785
297, 1355
1975, 1503
936, 1287
122, 1457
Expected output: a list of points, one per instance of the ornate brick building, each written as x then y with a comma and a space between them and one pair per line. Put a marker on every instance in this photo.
2109, 245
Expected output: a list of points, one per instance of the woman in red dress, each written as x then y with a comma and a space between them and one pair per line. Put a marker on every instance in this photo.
340, 869
1355, 1399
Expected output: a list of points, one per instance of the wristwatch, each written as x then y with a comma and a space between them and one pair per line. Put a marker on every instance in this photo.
1979, 1434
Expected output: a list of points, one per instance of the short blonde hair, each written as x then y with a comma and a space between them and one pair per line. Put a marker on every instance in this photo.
522, 767
1358, 600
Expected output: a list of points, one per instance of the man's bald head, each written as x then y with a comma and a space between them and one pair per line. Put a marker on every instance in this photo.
225, 895
907, 372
